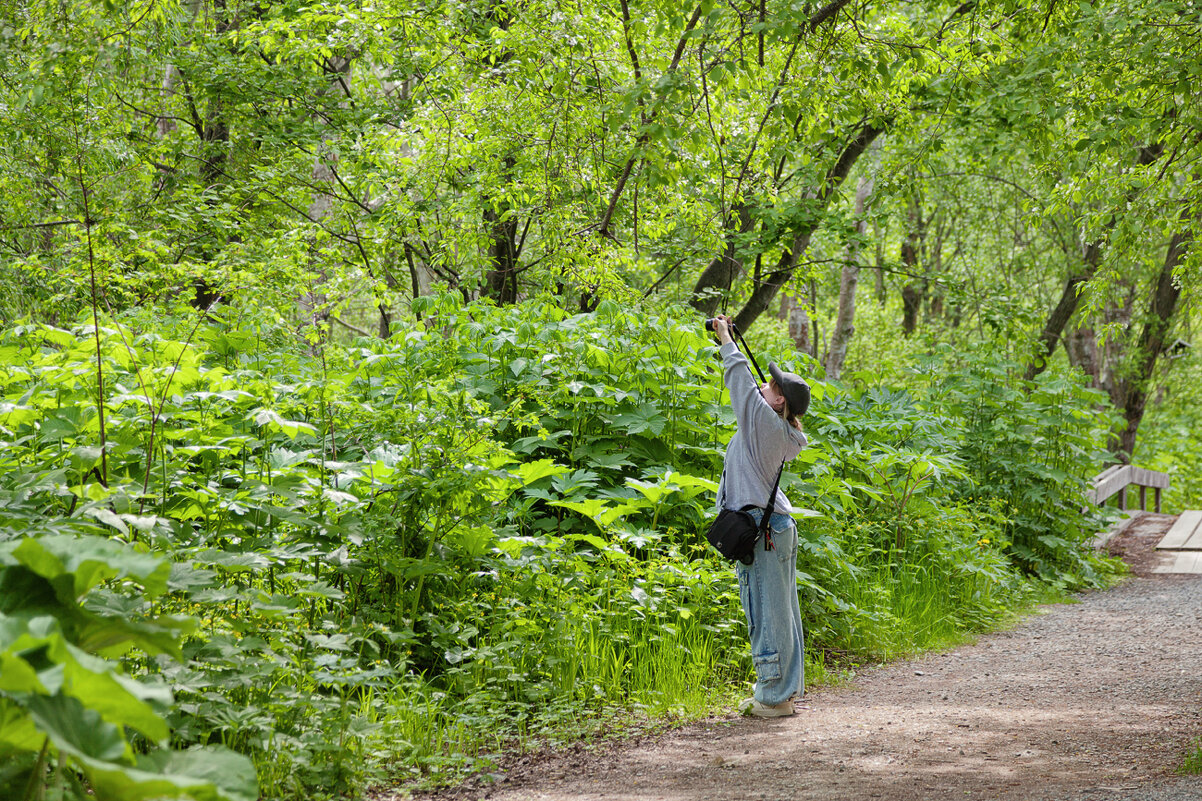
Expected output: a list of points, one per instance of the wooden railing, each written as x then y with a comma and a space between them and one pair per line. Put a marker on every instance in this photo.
1115, 480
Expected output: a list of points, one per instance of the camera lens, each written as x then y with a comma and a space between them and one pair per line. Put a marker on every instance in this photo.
709, 324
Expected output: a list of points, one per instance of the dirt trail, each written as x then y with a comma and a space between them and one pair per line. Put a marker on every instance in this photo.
1094, 700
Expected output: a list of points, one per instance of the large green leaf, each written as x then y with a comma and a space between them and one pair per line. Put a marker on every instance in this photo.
37, 659
18, 676
202, 774
109, 636
117, 698
599, 511
273, 421
17, 729
73, 728
74, 565
210, 773
671, 483
529, 472
23, 590
25, 594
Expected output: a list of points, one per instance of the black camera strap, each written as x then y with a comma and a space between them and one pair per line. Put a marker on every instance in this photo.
736, 333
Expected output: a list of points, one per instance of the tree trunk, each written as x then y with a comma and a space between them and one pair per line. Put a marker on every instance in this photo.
765, 290
932, 269
786, 306
912, 293
878, 237
715, 281
215, 134
799, 328
1103, 364
499, 218
164, 125
881, 296
845, 320
1152, 341
911, 304
1063, 311
312, 303
501, 281
1081, 345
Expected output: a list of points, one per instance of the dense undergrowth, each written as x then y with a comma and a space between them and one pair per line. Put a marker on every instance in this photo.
388, 560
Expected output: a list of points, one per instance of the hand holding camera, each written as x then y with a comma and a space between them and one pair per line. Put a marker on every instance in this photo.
723, 326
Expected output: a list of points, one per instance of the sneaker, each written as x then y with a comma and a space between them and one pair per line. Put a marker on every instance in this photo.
754, 708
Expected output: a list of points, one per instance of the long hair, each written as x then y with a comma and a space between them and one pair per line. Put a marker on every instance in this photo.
788, 414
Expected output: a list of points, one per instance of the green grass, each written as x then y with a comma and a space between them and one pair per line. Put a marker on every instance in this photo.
592, 687
1192, 764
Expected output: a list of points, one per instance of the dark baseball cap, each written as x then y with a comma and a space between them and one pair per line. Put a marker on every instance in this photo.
793, 387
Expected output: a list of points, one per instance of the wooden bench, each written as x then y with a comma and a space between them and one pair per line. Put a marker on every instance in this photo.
1115, 480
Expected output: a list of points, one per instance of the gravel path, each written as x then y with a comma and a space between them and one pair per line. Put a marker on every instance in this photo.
1091, 701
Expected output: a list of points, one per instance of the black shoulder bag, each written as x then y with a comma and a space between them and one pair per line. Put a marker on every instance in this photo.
734, 533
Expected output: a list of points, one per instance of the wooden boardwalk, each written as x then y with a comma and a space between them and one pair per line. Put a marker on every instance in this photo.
1182, 545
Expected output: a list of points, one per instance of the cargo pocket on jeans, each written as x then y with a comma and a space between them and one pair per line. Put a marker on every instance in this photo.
745, 599
785, 540
767, 666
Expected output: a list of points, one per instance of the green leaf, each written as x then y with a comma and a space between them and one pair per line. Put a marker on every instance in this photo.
475, 540
599, 511
591, 539
109, 517
73, 728
92, 681
272, 421
671, 483
74, 565
208, 773
13, 415
17, 676
529, 472
643, 419
118, 699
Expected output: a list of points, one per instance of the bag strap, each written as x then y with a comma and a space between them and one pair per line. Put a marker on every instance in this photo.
770, 507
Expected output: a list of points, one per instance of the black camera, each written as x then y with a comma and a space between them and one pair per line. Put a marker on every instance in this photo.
709, 324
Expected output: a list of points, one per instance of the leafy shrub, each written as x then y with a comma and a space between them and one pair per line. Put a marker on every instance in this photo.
61, 697
1032, 449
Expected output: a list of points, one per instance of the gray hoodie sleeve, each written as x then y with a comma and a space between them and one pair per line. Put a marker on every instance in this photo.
752, 412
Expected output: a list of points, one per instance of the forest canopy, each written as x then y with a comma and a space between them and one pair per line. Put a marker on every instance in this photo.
361, 345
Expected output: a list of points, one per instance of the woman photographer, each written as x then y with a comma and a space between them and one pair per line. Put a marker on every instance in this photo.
768, 434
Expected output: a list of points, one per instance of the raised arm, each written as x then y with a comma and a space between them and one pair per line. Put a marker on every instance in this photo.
752, 412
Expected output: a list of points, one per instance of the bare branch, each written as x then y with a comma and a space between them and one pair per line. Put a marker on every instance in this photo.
347, 325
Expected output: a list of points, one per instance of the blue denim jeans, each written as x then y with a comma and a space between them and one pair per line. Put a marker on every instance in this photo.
768, 590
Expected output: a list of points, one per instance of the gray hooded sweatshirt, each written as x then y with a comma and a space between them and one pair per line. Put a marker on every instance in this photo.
762, 440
